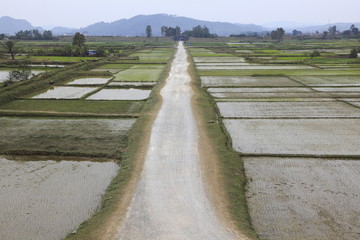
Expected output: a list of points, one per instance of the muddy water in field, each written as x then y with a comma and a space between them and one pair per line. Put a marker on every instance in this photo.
120, 94
295, 136
45, 200
301, 199
287, 109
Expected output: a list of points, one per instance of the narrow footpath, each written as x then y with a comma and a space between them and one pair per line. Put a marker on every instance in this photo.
170, 202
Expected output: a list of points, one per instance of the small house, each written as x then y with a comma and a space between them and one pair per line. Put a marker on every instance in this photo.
92, 52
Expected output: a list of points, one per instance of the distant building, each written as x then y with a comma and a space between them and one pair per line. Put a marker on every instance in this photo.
92, 52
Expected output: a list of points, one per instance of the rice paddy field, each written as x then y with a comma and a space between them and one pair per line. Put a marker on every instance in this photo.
294, 121
64, 134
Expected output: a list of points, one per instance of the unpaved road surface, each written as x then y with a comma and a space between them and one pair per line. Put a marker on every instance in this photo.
170, 202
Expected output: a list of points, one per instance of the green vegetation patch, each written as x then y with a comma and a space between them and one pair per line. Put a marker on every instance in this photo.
139, 75
76, 137
78, 106
61, 59
115, 66
148, 66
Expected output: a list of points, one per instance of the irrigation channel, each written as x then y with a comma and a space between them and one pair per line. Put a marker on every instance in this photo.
170, 200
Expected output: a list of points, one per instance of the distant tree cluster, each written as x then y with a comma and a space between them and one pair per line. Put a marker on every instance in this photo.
250, 34
353, 31
170, 31
277, 34
200, 32
34, 35
296, 33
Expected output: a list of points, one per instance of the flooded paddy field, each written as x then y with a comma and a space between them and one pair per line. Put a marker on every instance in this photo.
287, 110
260, 90
133, 83
269, 95
328, 80
87, 137
357, 103
295, 136
62, 92
223, 64
89, 81
337, 89
4, 74
275, 99
120, 94
255, 67
302, 198
218, 59
272, 106
49, 198
248, 81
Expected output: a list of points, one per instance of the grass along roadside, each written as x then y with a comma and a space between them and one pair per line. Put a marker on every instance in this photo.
231, 167
103, 225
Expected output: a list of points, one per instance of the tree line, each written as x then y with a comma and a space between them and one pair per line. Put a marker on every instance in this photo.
175, 32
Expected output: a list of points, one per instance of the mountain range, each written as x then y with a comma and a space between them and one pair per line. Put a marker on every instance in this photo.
135, 26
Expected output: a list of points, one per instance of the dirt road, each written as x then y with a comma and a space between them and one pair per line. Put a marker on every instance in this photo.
170, 200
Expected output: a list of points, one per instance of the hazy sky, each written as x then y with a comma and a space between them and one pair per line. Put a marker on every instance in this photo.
80, 13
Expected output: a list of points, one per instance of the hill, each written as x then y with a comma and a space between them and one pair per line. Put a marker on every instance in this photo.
136, 26
11, 26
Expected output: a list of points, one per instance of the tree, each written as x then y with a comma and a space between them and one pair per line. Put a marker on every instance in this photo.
48, 35
200, 31
148, 31
163, 31
78, 39
177, 31
332, 31
296, 33
100, 52
325, 34
78, 43
22, 73
10, 47
277, 34
353, 53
